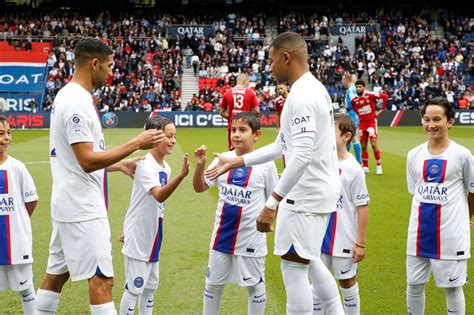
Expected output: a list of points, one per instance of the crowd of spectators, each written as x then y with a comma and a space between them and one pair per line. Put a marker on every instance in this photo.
404, 59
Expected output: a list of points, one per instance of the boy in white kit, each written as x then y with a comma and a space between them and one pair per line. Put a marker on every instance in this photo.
18, 200
143, 225
307, 191
344, 242
440, 176
238, 250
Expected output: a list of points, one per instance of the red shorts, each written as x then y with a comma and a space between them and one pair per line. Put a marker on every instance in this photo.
368, 129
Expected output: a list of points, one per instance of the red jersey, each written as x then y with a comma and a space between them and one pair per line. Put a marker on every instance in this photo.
239, 99
279, 102
364, 105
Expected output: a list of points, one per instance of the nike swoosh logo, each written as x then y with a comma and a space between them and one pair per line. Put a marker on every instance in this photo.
131, 309
259, 296
150, 301
346, 271
431, 178
27, 294
449, 311
452, 280
348, 300
23, 282
245, 279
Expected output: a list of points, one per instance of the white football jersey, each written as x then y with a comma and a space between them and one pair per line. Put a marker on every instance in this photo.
342, 230
242, 195
143, 225
76, 195
308, 107
16, 189
439, 219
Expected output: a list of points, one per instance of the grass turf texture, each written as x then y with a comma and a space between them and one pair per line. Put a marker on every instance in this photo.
189, 219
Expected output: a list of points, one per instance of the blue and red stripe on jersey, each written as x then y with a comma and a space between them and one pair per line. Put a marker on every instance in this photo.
434, 171
3, 182
428, 239
155, 250
330, 236
5, 241
226, 235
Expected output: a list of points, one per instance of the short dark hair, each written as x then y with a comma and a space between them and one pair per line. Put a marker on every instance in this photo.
157, 122
360, 82
250, 119
440, 101
88, 48
3, 120
345, 124
291, 41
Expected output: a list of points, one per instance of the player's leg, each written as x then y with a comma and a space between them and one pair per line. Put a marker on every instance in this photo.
49, 291
100, 295
23, 280
350, 295
357, 148
377, 154
147, 298
252, 269
318, 308
257, 297
364, 137
218, 273
135, 275
451, 275
418, 273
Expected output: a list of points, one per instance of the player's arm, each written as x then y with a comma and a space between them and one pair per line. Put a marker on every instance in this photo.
358, 251
256, 104
384, 98
30, 207
199, 182
223, 107
278, 118
126, 166
470, 200
162, 193
91, 161
267, 216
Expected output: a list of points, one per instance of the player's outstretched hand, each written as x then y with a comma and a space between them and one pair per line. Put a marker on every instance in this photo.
149, 138
128, 166
358, 253
265, 220
200, 155
185, 167
225, 163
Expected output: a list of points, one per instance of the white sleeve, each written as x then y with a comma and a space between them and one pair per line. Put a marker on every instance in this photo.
262, 155
359, 193
411, 176
79, 127
209, 182
145, 177
468, 173
271, 180
303, 146
28, 187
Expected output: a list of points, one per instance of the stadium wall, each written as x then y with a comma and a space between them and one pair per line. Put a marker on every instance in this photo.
212, 119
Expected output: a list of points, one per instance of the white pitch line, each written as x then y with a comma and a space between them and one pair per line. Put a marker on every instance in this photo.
36, 162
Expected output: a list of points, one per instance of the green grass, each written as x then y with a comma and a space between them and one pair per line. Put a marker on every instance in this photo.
189, 220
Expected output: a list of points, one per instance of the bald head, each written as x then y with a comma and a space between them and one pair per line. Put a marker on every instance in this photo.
293, 43
243, 79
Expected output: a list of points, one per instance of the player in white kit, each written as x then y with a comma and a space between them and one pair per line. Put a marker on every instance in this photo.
143, 225
309, 186
344, 242
18, 199
238, 250
80, 245
440, 176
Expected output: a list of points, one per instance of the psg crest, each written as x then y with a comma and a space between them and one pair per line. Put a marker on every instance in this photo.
110, 120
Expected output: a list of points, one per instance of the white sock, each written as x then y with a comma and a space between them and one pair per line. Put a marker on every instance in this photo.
127, 303
146, 302
299, 299
416, 299
455, 300
325, 287
317, 305
257, 299
212, 299
28, 300
46, 302
103, 309
351, 300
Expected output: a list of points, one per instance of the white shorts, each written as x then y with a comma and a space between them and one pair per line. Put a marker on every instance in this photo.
302, 232
447, 273
82, 248
141, 274
232, 269
342, 267
16, 277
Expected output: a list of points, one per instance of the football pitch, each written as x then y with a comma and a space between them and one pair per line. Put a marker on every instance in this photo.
189, 220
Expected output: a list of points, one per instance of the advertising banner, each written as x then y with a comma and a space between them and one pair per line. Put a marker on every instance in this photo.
187, 30
352, 29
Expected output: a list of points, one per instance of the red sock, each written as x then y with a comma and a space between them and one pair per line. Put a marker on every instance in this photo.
378, 156
365, 158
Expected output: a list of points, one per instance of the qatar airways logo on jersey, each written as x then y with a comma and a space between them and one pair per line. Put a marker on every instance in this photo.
433, 193
7, 204
339, 204
236, 195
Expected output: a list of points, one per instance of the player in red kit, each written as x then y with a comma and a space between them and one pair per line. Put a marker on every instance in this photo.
280, 101
364, 105
238, 99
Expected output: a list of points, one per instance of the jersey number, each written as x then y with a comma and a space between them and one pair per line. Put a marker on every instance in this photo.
238, 100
